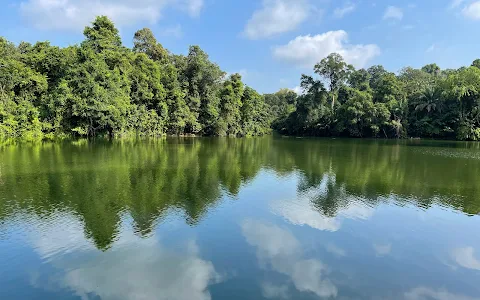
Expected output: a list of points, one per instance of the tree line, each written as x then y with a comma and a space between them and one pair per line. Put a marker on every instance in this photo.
101, 88
427, 102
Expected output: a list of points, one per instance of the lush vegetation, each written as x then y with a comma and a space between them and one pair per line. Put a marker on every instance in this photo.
101, 88
426, 102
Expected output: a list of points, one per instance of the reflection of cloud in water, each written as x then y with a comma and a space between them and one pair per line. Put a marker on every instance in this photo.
335, 250
280, 250
423, 293
272, 291
302, 212
465, 257
382, 250
62, 235
134, 268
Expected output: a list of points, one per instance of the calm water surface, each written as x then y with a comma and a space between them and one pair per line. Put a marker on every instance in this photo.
266, 218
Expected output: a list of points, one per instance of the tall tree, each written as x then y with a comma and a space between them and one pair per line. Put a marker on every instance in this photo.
334, 70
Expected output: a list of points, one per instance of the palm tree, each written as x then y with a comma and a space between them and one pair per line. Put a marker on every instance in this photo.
429, 100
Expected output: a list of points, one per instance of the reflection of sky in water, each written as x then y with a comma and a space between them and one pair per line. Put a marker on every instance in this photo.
279, 237
135, 268
277, 248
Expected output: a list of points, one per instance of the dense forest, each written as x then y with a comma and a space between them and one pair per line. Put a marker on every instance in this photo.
101, 88
427, 102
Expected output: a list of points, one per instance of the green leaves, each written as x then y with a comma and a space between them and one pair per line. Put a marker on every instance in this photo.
101, 88
425, 102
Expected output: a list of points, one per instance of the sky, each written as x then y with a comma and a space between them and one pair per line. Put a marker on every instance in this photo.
269, 42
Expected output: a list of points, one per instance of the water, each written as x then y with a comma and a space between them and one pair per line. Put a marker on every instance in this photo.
266, 218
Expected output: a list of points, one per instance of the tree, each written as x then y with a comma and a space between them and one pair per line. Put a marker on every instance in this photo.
432, 69
102, 35
476, 63
336, 71
145, 42
230, 106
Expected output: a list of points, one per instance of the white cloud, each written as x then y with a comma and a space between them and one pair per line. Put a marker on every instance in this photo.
276, 17
431, 48
340, 12
279, 249
382, 250
408, 27
272, 291
393, 13
472, 11
242, 72
423, 293
306, 51
194, 7
465, 257
174, 31
456, 3
298, 90
75, 14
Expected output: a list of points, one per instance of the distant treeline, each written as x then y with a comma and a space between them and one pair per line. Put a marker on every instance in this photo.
101, 88
426, 102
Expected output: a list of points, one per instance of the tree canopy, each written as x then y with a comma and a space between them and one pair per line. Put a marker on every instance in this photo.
427, 102
101, 88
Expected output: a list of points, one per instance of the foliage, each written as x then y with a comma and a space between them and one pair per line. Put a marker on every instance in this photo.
426, 102
101, 88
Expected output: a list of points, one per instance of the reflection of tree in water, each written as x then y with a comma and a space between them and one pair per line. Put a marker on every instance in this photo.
373, 171
103, 181
328, 197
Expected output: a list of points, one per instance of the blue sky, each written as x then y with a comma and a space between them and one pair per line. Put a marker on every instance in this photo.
270, 42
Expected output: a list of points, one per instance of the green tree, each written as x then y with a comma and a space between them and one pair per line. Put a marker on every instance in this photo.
335, 71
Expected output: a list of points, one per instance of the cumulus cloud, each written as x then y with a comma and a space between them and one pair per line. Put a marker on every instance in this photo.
75, 14
340, 12
276, 17
424, 293
393, 13
465, 257
472, 11
279, 249
306, 51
